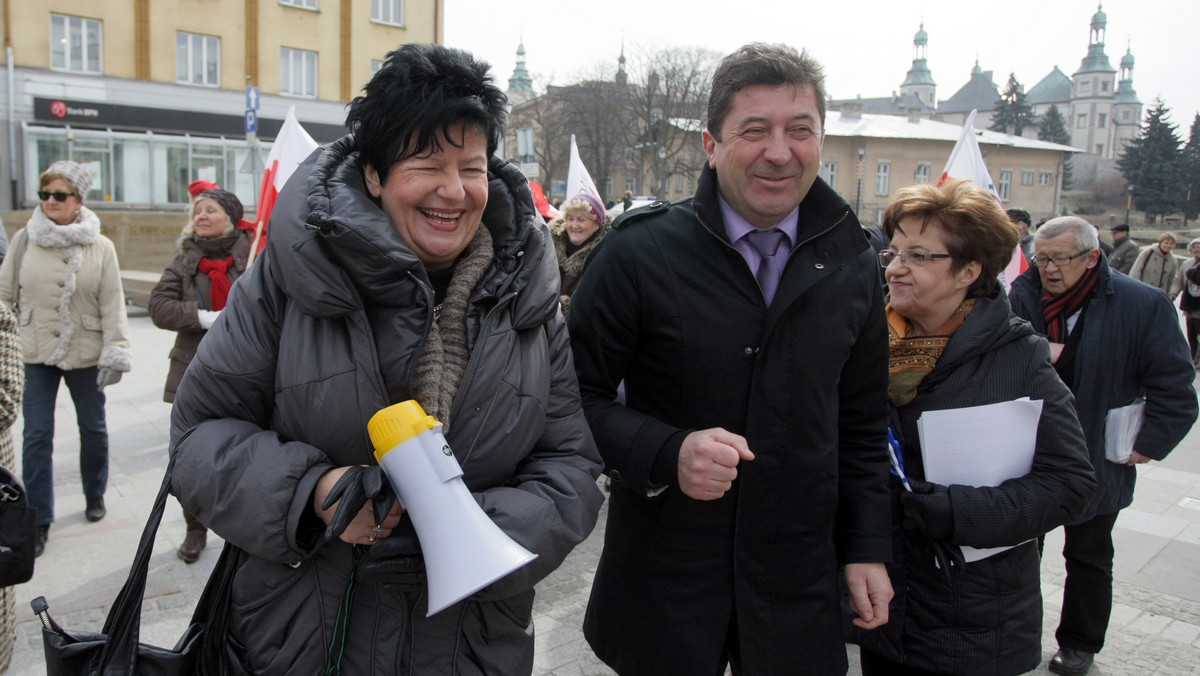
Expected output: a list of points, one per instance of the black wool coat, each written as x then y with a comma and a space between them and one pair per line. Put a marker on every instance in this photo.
671, 308
986, 619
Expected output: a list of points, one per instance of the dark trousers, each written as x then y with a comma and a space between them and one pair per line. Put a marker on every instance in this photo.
1087, 594
1193, 333
41, 392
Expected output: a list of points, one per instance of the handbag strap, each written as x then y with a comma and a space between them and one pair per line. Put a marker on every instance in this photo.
123, 625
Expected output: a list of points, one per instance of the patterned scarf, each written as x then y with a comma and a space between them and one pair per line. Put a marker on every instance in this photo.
913, 358
1057, 309
216, 271
443, 361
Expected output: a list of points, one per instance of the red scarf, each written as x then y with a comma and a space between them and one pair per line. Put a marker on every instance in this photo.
220, 281
1057, 309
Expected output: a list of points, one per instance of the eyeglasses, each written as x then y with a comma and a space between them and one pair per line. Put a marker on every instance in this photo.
58, 196
912, 257
1042, 260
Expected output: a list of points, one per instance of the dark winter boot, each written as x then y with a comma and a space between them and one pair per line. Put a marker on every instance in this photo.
193, 543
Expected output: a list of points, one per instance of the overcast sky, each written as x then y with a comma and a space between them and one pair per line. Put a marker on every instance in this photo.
865, 45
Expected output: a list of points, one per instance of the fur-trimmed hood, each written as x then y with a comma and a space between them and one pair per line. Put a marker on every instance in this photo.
572, 265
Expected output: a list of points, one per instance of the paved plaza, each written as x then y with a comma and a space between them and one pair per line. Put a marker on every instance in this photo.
1155, 624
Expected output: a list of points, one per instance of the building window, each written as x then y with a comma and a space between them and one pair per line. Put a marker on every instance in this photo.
1100, 120
297, 72
376, 64
680, 187
1104, 86
631, 185
608, 186
388, 11
1045, 178
75, 44
828, 173
882, 174
1126, 115
1085, 86
302, 4
1100, 149
1081, 121
1026, 178
923, 170
197, 59
630, 156
1005, 187
879, 215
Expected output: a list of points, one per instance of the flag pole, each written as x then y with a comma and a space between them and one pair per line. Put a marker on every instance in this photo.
258, 228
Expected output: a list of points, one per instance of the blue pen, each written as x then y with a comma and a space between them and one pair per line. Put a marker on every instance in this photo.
897, 459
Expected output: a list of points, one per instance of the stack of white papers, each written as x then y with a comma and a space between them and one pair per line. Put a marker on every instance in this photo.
980, 446
1121, 428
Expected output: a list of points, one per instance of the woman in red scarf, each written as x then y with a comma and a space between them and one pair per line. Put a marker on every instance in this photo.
190, 295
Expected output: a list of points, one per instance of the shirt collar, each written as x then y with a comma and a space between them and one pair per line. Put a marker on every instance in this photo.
738, 227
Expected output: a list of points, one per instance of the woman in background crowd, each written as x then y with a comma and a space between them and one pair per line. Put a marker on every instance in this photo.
1156, 265
210, 256
62, 279
1187, 287
12, 382
954, 343
583, 223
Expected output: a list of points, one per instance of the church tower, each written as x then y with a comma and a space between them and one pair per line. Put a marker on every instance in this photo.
520, 85
1127, 109
1092, 95
920, 80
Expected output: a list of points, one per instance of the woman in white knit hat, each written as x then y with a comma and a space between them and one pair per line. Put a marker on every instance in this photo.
62, 280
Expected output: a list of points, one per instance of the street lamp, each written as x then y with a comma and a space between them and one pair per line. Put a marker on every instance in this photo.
862, 153
1128, 201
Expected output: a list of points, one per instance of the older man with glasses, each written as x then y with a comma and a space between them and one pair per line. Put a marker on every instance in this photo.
1115, 342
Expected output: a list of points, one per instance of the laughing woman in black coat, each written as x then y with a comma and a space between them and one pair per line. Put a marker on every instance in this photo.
955, 343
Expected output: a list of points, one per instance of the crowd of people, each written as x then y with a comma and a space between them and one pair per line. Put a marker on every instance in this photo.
736, 364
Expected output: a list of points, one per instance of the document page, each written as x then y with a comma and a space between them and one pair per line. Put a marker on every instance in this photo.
979, 446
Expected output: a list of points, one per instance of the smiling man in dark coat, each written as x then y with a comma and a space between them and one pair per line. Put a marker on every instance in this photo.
748, 458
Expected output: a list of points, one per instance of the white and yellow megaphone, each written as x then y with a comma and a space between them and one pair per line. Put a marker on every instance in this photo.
463, 550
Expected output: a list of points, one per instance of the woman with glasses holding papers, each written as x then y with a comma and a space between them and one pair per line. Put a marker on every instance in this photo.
955, 344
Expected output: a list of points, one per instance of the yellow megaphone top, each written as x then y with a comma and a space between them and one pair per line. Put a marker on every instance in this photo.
397, 424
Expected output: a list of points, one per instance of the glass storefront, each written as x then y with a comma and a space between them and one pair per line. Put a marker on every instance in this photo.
142, 170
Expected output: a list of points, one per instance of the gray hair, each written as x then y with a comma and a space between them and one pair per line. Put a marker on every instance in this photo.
1085, 233
761, 64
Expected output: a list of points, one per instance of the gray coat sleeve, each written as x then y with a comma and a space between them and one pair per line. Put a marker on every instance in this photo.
231, 471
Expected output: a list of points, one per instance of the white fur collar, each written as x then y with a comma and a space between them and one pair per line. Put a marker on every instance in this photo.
46, 233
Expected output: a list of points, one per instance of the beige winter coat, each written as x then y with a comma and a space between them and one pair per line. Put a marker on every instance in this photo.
1155, 268
67, 294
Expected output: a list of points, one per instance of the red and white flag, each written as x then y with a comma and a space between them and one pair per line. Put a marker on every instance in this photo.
578, 178
966, 161
291, 147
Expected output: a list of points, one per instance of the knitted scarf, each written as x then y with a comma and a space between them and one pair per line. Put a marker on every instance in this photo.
910, 359
216, 271
443, 361
1057, 309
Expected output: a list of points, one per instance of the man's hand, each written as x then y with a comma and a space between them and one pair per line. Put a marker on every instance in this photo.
1136, 458
708, 461
870, 593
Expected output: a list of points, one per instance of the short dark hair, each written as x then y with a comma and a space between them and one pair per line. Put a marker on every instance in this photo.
417, 98
761, 64
974, 227
1019, 216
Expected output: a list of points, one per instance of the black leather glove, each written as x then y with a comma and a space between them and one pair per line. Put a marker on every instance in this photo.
927, 509
395, 562
946, 555
354, 488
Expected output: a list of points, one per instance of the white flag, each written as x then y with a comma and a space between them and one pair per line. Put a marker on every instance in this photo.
292, 146
578, 178
966, 161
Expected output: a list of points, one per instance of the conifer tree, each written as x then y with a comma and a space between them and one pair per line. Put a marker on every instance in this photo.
1052, 127
1012, 113
1191, 171
1153, 164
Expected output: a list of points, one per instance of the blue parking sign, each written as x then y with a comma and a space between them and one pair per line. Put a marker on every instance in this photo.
251, 121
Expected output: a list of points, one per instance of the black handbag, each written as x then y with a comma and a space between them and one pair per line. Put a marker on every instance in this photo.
18, 531
116, 650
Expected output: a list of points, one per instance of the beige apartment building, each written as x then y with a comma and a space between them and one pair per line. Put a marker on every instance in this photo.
153, 95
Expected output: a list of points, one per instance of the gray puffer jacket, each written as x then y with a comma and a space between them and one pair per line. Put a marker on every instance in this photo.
319, 335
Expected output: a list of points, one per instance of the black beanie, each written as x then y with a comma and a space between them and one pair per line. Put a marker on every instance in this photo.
228, 201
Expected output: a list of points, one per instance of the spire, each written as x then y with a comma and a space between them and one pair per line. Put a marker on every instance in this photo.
1096, 60
919, 81
1125, 92
520, 80
622, 77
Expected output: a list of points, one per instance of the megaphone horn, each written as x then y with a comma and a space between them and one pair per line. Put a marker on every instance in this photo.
464, 550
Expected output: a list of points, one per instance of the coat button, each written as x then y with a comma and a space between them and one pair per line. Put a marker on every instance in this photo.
62, 284
56, 333
66, 260
616, 475
819, 266
749, 350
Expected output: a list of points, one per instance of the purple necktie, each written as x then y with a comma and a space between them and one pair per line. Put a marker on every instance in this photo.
769, 244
